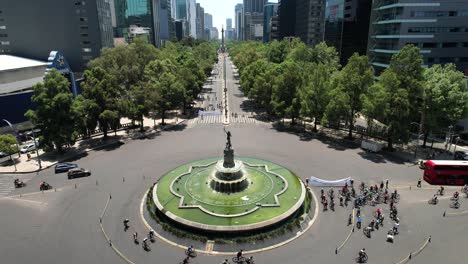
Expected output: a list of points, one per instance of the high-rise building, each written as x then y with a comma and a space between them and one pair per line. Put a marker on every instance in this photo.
228, 23
287, 18
214, 34
181, 9
310, 17
253, 19
438, 28
269, 11
239, 20
254, 5
200, 22
33, 29
192, 18
166, 22
347, 26
208, 20
229, 33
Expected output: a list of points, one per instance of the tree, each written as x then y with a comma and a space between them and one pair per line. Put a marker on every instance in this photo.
8, 144
408, 67
262, 88
251, 73
101, 89
277, 51
322, 53
350, 84
54, 115
285, 97
315, 92
398, 110
166, 88
375, 104
445, 97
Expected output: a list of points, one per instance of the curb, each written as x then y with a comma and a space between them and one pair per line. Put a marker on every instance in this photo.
91, 149
219, 253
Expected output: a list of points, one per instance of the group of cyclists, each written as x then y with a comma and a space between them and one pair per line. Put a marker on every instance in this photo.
145, 241
455, 197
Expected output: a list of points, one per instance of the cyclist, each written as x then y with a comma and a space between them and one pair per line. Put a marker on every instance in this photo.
381, 185
225, 262
250, 260
362, 254
186, 260
125, 222
151, 234
465, 188
239, 254
190, 249
455, 195
135, 236
396, 225
359, 221
434, 199
441, 190
378, 212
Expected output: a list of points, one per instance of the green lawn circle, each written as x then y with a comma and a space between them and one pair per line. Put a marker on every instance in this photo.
200, 205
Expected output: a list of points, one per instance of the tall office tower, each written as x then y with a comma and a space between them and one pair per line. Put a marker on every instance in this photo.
310, 17
166, 22
200, 22
287, 18
347, 26
208, 20
269, 11
438, 28
192, 18
253, 19
229, 33
183, 16
33, 29
173, 4
239, 20
254, 5
214, 33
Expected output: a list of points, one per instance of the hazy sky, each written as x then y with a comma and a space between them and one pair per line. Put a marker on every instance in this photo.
222, 9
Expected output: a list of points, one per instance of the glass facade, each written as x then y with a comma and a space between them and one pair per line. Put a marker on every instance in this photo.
347, 26
181, 9
270, 10
133, 12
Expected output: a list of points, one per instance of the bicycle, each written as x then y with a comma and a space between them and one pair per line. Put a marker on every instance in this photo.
192, 254
362, 259
455, 204
240, 259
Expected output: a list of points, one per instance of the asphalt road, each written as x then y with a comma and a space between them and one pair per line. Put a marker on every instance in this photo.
63, 226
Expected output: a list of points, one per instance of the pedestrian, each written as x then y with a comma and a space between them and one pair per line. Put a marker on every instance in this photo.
386, 184
385, 198
307, 181
341, 200
381, 185
419, 183
358, 212
391, 204
350, 219
325, 205
359, 221
352, 182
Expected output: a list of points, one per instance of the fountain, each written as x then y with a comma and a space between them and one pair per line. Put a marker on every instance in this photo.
232, 194
228, 175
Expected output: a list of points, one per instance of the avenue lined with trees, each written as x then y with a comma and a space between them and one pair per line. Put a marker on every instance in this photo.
290, 80
131, 81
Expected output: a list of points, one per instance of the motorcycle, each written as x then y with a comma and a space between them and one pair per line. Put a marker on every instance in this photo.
19, 183
44, 186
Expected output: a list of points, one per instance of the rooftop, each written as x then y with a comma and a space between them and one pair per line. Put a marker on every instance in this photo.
9, 62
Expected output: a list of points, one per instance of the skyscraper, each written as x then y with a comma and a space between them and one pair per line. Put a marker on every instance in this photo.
287, 18
192, 18
33, 29
229, 33
253, 19
438, 28
239, 20
200, 22
347, 26
310, 21
208, 20
270, 10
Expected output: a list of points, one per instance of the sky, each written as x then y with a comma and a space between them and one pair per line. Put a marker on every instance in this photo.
222, 9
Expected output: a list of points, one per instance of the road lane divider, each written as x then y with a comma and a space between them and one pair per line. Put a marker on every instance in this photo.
415, 253
116, 250
349, 234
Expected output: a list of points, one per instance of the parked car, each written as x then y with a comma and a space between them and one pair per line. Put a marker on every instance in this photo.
461, 155
78, 172
64, 167
27, 148
3, 154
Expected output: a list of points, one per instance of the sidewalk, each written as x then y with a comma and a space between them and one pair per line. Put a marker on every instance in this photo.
81, 147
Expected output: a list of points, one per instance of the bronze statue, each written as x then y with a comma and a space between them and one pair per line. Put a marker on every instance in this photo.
228, 136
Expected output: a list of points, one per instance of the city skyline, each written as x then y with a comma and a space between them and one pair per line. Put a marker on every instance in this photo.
221, 10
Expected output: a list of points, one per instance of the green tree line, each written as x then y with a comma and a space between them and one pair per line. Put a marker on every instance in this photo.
290, 80
129, 81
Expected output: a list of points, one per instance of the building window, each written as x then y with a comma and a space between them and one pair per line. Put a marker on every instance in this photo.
84, 34
87, 58
84, 27
87, 50
429, 45
83, 19
465, 44
78, 3
463, 59
3, 35
85, 42
446, 60
430, 60
2, 27
5, 43
449, 45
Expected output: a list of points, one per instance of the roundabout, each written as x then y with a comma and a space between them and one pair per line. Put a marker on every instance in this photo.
231, 195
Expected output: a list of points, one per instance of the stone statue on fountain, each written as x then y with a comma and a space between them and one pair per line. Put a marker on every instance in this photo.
228, 151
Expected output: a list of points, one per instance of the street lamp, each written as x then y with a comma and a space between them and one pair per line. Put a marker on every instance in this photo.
455, 148
35, 144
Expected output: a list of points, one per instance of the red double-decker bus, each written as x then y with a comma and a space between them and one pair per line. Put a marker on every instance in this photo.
446, 172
